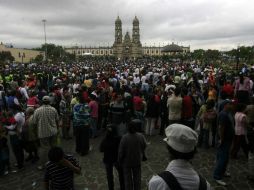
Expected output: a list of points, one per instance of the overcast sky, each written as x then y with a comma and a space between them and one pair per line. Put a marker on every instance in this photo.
213, 24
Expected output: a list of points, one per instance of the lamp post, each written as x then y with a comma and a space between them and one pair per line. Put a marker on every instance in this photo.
45, 37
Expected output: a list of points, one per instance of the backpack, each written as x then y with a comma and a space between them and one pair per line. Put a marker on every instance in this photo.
173, 184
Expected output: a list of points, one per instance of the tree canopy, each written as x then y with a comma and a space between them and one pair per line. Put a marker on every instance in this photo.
5, 56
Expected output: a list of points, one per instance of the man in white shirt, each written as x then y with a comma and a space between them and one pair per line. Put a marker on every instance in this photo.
136, 79
143, 79
180, 174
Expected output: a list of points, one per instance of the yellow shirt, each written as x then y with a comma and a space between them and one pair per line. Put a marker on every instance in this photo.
88, 83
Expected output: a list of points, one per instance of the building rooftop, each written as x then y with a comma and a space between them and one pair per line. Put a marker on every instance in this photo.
172, 48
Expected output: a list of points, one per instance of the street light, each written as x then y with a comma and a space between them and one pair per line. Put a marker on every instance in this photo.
44, 24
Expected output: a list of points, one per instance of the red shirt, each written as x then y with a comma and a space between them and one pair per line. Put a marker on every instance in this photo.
187, 107
32, 101
94, 108
138, 103
86, 96
228, 89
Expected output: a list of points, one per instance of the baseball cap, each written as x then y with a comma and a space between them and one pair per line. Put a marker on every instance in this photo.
46, 99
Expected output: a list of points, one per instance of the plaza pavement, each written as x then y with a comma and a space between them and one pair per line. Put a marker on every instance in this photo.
94, 177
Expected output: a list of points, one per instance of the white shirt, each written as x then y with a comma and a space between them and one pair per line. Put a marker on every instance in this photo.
186, 176
143, 79
136, 80
23, 92
75, 87
20, 119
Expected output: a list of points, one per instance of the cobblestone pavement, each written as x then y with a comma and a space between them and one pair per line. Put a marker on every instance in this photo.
94, 177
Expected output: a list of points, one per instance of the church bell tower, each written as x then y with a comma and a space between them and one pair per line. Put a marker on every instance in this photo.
117, 46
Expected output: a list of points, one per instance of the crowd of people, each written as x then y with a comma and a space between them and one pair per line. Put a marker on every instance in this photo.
124, 101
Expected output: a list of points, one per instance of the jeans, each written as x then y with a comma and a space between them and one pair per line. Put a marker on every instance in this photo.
82, 139
94, 122
66, 126
164, 123
17, 148
110, 176
204, 138
240, 142
150, 126
139, 115
132, 178
222, 160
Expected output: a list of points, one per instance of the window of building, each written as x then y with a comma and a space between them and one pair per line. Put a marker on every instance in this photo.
97, 52
92, 52
24, 55
78, 52
152, 51
101, 52
157, 51
110, 51
147, 51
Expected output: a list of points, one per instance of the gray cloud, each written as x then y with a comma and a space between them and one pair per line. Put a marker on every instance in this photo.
198, 23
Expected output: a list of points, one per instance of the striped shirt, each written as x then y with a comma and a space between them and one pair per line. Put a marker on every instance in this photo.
46, 119
60, 177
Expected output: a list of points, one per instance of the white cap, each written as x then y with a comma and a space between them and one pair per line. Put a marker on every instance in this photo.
181, 138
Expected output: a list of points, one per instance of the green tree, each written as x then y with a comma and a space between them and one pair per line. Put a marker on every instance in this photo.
38, 58
5, 56
211, 55
54, 52
198, 55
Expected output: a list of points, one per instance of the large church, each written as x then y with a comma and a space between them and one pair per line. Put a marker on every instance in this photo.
128, 46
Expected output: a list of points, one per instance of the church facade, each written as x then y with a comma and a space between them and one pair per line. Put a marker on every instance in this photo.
128, 46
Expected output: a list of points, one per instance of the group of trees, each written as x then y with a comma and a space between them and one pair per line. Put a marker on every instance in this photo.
5, 56
245, 53
54, 53
240, 54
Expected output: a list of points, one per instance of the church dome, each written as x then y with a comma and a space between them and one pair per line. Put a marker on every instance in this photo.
172, 48
135, 20
118, 20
